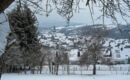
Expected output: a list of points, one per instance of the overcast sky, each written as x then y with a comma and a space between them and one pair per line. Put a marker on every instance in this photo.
83, 17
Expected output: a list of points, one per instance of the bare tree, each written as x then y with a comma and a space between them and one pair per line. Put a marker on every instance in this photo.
50, 60
108, 8
65, 60
46, 57
94, 49
65, 8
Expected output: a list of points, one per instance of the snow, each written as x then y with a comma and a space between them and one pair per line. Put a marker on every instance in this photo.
123, 54
104, 72
63, 77
73, 55
70, 27
4, 30
68, 42
117, 72
123, 69
58, 28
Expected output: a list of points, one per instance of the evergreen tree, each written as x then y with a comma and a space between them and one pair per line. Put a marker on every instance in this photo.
22, 21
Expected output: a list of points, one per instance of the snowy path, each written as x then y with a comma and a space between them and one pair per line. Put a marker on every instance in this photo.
63, 77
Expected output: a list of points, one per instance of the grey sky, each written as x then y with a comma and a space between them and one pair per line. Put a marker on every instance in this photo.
83, 17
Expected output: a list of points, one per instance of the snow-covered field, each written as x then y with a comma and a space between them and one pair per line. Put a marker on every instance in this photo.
104, 72
63, 77
123, 69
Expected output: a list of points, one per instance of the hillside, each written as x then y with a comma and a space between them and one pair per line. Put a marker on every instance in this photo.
69, 37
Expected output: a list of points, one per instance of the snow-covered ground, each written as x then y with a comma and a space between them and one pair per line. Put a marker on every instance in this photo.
123, 69
63, 77
117, 72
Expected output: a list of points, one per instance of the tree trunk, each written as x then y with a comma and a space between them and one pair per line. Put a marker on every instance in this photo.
41, 64
25, 69
32, 70
4, 4
41, 69
50, 67
94, 69
57, 69
68, 69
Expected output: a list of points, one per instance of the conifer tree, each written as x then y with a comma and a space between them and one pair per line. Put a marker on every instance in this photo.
23, 25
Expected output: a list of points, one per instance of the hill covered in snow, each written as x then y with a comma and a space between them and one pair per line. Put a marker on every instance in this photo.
68, 37
120, 32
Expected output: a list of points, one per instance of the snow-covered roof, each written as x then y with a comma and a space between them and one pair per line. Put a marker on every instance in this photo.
69, 41
73, 55
119, 52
